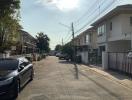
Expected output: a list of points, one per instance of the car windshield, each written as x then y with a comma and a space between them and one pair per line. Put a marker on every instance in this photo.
8, 64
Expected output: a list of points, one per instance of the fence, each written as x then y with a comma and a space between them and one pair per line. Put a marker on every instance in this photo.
4, 55
94, 58
120, 62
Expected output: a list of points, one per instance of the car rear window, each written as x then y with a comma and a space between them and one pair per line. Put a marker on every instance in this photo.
8, 64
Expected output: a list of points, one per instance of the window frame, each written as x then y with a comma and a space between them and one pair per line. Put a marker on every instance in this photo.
87, 37
111, 26
131, 20
101, 30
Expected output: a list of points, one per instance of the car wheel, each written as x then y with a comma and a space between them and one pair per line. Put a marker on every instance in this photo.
16, 89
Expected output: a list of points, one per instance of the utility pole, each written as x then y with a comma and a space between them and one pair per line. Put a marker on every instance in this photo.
73, 31
62, 42
73, 36
74, 50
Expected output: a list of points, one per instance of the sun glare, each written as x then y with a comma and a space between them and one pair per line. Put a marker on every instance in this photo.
63, 5
67, 4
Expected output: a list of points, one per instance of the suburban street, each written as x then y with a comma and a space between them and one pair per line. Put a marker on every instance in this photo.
66, 49
57, 80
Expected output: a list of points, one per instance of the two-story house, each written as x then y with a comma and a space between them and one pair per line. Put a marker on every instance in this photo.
114, 30
86, 42
27, 43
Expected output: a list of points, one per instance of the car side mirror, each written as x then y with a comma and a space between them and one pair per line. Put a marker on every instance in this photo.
21, 67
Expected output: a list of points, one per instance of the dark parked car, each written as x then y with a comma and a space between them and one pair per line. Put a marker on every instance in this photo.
64, 57
15, 73
58, 54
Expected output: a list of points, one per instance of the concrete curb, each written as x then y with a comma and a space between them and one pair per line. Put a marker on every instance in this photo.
126, 83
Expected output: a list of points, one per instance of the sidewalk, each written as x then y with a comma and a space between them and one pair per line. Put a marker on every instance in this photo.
114, 76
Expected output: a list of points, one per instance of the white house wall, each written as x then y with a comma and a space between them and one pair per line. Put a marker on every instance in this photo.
81, 40
126, 27
120, 26
84, 56
116, 32
93, 40
119, 46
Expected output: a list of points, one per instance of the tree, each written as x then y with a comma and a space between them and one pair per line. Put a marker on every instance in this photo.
8, 7
68, 49
58, 48
43, 42
9, 22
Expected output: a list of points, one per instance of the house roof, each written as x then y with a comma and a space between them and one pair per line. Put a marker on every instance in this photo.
118, 10
26, 34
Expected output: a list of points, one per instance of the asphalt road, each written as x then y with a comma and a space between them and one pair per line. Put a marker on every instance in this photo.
60, 80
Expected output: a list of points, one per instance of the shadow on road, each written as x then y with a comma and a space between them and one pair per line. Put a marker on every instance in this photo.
76, 71
117, 74
102, 86
75, 67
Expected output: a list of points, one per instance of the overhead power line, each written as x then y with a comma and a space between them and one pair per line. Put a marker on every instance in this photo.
67, 34
95, 17
90, 14
96, 6
68, 39
90, 8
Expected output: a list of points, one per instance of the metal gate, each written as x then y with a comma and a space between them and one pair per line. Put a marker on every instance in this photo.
94, 58
120, 62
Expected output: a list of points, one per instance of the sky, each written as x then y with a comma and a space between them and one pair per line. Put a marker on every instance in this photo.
54, 17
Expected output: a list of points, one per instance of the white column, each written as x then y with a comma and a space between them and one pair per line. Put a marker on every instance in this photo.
105, 60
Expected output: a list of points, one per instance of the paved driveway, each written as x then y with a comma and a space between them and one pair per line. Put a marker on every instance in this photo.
58, 80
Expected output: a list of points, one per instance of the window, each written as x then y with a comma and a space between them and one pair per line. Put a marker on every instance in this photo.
130, 20
24, 62
111, 26
8, 64
90, 37
87, 38
101, 30
98, 30
78, 41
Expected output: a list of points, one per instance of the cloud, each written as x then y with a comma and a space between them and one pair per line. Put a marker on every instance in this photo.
62, 5
68, 4
46, 2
